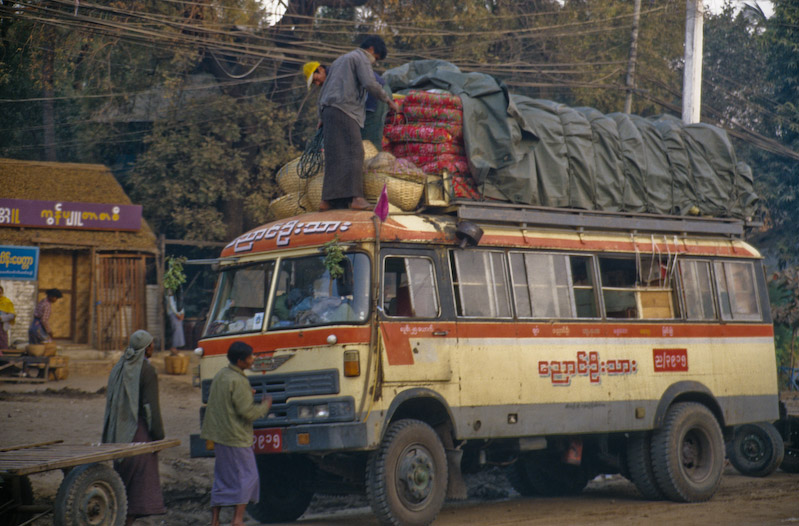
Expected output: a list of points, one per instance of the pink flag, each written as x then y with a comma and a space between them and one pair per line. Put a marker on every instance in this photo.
381, 208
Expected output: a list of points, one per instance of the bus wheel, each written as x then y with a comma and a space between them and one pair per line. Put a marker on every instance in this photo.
551, 477
688, 453
756, 450
406, 477
639, 464
286, 491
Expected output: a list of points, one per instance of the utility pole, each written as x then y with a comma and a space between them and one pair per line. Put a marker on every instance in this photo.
628, 100
692, 76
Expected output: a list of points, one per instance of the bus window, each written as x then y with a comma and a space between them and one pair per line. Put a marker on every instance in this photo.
582, 274
409, 287
618, 287
736, 289
697, 292
241, 300
481, 289
541, 285
306, 295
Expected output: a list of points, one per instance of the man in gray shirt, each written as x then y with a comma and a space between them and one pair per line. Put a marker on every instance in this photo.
342, 115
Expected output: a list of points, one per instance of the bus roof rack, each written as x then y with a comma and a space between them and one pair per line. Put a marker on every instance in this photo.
572, 218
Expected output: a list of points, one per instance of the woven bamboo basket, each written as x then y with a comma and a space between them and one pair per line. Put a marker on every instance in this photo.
285, 206
178, 364
287, 178
313, 193
50, 349
369, 150
36, 349
401, 193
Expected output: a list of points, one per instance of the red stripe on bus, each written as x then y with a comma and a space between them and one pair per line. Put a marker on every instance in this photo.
287, 339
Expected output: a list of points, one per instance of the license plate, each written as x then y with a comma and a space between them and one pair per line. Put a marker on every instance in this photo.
267, 440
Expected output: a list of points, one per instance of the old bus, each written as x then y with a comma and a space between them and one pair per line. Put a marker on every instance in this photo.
562, 344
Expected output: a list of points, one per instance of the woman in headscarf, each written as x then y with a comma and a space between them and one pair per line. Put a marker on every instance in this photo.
7, 318
133, 414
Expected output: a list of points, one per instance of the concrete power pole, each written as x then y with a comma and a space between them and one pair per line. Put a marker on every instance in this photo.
628, 100
692, 76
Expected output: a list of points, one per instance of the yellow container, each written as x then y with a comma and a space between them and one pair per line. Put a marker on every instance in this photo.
178, 364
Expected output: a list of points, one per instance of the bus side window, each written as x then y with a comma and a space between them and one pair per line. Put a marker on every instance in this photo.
618, 287
582, 275
409, 288
697, 292
736, 288
480, 283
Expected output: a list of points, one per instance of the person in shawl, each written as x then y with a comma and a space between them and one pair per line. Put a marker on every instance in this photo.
133, 414
7, 318
229, 415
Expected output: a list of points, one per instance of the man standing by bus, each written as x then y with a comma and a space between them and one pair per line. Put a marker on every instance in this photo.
228, 422
342, 114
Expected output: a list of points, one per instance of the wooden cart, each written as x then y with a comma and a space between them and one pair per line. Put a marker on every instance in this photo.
91, 494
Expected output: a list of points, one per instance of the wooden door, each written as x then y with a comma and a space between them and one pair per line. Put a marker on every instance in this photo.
121, 299
57, 270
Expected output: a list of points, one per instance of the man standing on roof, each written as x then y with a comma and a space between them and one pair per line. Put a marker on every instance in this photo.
342, 115
376, 110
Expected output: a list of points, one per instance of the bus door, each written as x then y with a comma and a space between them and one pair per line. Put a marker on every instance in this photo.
416, 332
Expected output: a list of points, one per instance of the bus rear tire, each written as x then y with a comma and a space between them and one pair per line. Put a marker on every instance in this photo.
285, 494
639, 463
756, 450
406, 477
688, 453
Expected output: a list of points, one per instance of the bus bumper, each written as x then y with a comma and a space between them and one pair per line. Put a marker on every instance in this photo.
315, 438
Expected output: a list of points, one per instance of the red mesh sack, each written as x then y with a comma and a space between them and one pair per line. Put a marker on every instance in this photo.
423, 160
458, 166
464, 186
404, 149
417, 113
416, 133
426, 98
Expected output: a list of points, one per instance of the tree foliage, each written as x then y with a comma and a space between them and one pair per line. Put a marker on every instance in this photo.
210, 176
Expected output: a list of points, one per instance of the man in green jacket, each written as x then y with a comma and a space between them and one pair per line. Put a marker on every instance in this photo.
228, 422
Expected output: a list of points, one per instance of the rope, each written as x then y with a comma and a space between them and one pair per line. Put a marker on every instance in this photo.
312, 160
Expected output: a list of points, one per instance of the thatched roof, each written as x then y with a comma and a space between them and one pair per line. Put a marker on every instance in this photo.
70, 182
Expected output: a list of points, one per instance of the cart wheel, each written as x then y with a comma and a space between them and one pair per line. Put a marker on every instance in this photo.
9, 497
91, 495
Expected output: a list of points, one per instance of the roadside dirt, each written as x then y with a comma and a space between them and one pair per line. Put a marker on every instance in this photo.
72, 410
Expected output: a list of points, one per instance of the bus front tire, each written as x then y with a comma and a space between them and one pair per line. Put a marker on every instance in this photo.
285, 491
688, 453
756, 450
406, 477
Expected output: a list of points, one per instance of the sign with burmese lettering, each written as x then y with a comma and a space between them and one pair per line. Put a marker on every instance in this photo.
20, 263
62, 214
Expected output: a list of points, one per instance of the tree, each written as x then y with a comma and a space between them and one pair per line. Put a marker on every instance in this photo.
210, 176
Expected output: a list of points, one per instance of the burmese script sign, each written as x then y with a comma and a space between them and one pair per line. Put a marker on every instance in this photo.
62, 214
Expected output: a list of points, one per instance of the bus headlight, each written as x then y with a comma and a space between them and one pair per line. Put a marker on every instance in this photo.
321, 411
304, 412
199, 351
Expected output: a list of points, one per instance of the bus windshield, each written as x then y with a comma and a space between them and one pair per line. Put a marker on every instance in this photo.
305, 295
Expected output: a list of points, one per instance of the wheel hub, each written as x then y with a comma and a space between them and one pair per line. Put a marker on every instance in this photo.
96, 506
416, 472
753, 448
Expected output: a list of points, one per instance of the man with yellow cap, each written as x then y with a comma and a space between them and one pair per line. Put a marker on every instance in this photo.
342, 115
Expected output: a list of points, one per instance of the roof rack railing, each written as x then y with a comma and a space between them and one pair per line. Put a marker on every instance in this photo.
577, 219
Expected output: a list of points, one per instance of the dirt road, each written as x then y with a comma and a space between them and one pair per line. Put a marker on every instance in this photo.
73, 410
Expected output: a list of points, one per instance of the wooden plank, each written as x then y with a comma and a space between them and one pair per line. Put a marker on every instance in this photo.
60, 455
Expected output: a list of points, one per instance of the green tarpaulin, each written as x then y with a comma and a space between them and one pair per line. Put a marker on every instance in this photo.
540, 152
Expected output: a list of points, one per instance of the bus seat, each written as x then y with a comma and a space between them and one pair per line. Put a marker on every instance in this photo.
404, 307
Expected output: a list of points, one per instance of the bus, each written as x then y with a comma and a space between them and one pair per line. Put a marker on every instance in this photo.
561, 344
